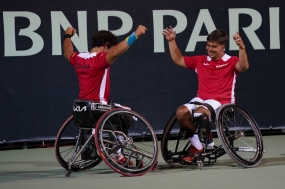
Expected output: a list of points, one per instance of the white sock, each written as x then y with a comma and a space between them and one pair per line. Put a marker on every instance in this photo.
121, 138
119, 152
211, 144
196, 142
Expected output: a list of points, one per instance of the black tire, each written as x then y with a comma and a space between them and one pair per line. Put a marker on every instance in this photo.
139, 145
239, 135
174, 144
67, 145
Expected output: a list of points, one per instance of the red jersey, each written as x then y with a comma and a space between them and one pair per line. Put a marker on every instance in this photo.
216, 79
93, 74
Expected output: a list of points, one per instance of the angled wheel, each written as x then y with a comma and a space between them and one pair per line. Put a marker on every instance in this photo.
200, 165
239, 135
69, 141
174, 144
125, 132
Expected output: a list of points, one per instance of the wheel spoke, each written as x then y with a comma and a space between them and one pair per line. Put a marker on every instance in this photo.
239, 135
121, 132
69, 143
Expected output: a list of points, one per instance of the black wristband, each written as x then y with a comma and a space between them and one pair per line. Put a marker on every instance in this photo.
67, 36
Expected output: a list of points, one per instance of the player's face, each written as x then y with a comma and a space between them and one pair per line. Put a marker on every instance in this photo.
215, 50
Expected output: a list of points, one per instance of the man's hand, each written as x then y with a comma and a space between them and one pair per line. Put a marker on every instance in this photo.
169, 33
238, 41
242, 65
67, 44
140, 30
70, 30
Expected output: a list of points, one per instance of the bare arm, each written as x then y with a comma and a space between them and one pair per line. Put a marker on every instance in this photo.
67, 44
242, 65
175, 53
123, 46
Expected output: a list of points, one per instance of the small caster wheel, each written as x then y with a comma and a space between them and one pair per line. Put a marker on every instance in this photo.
170, 163
67, 173
200, 165
155, 167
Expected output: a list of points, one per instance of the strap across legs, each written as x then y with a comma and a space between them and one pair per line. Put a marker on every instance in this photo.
210, 108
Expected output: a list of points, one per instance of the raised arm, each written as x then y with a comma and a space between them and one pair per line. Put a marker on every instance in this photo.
67, 44
242, 65
175, 53
120, 48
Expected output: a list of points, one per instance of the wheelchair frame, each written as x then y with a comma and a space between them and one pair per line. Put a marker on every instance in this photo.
237, 131
102, 141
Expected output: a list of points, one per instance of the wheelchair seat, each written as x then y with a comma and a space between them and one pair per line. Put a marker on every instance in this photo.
87, 112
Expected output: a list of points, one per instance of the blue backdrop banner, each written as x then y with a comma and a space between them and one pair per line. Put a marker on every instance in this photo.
38, 85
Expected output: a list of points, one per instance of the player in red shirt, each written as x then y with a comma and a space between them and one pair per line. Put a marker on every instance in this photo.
93, 67
217, 74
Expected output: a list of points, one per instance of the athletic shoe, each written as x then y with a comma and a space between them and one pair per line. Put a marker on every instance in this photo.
87, 154
121, 160
192, 156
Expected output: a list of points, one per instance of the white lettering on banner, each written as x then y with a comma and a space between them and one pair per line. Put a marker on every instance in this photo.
158, 26
9, 33
274, 28
204, 18
79, 39
249, 31
126, 20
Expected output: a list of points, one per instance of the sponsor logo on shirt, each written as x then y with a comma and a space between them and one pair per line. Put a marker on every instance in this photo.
206, 64
221, 65
82, 66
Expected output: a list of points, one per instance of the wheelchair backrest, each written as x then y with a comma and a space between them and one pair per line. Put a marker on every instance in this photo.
86, 112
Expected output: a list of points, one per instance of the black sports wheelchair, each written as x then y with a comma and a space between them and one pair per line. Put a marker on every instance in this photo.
96, 132
237, 131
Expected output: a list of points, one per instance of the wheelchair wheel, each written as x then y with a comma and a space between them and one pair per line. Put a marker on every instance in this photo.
69, 141
121, 132
239, 135
174, 144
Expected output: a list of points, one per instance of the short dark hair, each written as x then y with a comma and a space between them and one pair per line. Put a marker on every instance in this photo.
218, 36
104, 37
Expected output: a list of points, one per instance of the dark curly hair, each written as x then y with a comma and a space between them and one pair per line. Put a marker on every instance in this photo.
103, 37
218, 36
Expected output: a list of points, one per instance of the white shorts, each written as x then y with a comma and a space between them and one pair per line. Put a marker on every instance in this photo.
215, 104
